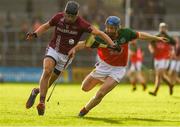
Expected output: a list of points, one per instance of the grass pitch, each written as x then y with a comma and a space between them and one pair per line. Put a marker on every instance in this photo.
120, 107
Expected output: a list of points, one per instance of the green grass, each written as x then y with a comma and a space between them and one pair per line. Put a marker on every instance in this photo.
119, 108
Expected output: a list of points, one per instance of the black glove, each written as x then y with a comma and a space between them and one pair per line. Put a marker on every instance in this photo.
114, 48
31, 35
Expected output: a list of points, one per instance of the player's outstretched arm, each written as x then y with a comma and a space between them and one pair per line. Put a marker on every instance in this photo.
79, 46
101, 34
146, 36
43, 28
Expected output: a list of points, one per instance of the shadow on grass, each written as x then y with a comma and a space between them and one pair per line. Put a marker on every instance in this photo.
122, 120
176, 97
106, 120
150, 120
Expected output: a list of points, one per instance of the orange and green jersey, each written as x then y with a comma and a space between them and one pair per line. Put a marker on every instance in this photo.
125, 35
162, 50
137, 54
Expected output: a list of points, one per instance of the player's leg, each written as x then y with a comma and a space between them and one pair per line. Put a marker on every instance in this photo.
178, 71
48, 67
159, 66
158, 75
142, 79
132, 76
89, 83
35, 91
133, 81
106, 87
140, 76
167, 78
54, 76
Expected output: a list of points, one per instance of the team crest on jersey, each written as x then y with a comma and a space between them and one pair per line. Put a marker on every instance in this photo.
122, 40
71, 41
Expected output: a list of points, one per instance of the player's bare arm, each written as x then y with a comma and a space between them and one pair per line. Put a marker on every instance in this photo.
101, 34
79, 46
43, 28
146, 36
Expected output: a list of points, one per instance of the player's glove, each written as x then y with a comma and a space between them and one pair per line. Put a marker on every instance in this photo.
30, 35
99, 45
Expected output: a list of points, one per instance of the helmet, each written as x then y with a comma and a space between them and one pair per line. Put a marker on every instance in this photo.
72, 7
113, 20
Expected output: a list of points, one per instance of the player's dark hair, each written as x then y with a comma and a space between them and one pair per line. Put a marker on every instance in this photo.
72, 7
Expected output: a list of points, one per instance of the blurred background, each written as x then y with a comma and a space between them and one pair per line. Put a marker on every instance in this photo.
21, 61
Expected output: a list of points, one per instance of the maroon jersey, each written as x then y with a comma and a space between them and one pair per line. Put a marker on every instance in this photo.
66, 35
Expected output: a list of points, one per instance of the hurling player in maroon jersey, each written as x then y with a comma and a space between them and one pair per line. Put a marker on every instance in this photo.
69, 27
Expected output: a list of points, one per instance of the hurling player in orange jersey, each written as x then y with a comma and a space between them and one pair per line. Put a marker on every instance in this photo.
135, 73
162, 53
112, 66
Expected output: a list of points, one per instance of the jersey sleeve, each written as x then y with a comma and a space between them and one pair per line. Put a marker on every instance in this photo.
133, 34
54, 20
99, 40
171, 41
86, 26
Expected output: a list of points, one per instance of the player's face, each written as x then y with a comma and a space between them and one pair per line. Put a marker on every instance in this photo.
111, 30
70, 18
163, 29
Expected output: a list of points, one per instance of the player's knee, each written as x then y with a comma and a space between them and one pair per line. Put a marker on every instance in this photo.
85, 89
84, 86
47, 72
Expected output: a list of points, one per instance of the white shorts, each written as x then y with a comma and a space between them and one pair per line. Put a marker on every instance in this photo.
136, 66
173, 64
178, 66
59, 58
103, 70
161, 64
